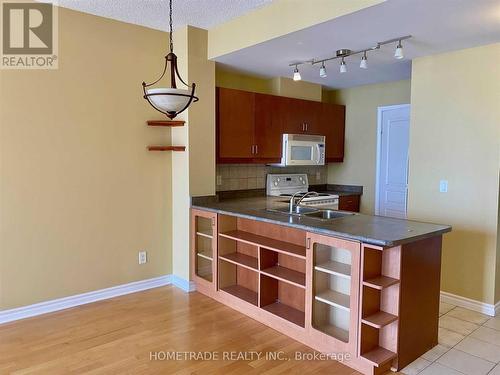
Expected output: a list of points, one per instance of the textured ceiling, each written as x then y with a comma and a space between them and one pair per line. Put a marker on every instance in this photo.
154, 13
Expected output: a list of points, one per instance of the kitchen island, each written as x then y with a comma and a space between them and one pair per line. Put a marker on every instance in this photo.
364, 287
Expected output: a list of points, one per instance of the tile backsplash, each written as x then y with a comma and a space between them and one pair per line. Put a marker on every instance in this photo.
253, 176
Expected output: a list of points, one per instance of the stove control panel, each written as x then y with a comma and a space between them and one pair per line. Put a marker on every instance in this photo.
278, 184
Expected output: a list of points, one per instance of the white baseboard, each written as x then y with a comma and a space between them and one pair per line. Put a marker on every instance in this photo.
185, 285
471, 304
84, 298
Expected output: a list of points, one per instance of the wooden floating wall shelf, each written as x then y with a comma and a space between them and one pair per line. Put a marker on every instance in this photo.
165, 123
166, 148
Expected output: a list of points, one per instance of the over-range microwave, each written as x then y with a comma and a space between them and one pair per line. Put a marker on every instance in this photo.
303, 149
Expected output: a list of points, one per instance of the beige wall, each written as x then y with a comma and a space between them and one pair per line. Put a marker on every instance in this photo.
262, 24
239, 81
455, 135
80, 195
281, 86
359, 166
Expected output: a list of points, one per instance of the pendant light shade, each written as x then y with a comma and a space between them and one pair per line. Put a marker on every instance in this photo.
170, 100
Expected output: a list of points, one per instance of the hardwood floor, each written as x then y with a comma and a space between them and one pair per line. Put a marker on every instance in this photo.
118, 336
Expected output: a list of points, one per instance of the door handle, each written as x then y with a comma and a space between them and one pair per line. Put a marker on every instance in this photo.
308, 243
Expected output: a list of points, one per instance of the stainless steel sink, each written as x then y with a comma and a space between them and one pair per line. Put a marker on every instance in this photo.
296, 210
312, 213
328, 214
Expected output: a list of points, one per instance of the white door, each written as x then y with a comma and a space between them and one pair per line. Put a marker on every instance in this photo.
392, 160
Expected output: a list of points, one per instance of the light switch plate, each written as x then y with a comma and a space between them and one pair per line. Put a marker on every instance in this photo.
318, 175
219, 180
443, 186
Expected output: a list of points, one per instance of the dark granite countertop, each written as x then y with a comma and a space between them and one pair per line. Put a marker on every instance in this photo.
375, 230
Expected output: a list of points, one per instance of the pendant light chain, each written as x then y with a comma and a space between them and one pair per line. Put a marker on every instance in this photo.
171, 32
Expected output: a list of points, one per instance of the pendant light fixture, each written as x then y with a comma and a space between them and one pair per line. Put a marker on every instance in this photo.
170, 100
343, 66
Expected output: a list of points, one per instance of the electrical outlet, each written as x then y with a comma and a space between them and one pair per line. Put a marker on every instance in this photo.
443, 186
318, 175
143, 257
219, 180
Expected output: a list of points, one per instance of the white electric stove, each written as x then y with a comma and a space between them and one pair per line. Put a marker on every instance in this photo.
285, 185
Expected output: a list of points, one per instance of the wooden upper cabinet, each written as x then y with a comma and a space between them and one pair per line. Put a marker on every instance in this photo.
235, 123
268, 127
301, 116
332, 124
250, 126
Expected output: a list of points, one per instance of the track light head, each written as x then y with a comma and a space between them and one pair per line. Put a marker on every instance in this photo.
343, 66
296, 74
398, 54
364, 62
322, 71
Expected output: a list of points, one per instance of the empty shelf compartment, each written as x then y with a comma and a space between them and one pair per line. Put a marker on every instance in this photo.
378, 356
241, 259
270, 243
380, 282
243, 293
379, 319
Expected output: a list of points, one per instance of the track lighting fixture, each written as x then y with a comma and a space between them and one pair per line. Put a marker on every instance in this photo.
343, 66
364, 62
296, 74
398, 54
345, 52
322, 71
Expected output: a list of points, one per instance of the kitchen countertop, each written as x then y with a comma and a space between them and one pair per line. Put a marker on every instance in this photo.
375, 230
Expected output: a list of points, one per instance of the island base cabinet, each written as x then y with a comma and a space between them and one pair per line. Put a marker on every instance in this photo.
372, 308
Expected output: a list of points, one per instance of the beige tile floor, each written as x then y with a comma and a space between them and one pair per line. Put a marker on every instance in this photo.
469, 343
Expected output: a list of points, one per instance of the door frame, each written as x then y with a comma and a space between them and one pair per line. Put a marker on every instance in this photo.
380, 112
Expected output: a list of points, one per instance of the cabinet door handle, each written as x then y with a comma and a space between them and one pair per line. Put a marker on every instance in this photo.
213, 221
307, 127
252, 150
308, 243
256, 149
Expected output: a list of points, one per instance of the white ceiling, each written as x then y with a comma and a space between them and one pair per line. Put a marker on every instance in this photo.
436, 25
204, 14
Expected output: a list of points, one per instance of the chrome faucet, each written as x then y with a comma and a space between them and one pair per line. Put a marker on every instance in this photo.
306, 194
292, 201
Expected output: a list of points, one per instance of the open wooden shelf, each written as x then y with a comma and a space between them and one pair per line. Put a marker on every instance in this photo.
334, 298
380, 282
167, 123
287, 275
379, 356
379, 319
286, 312
243, 293
269, 243
335, 268
205, 255
167, 148
240, 259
